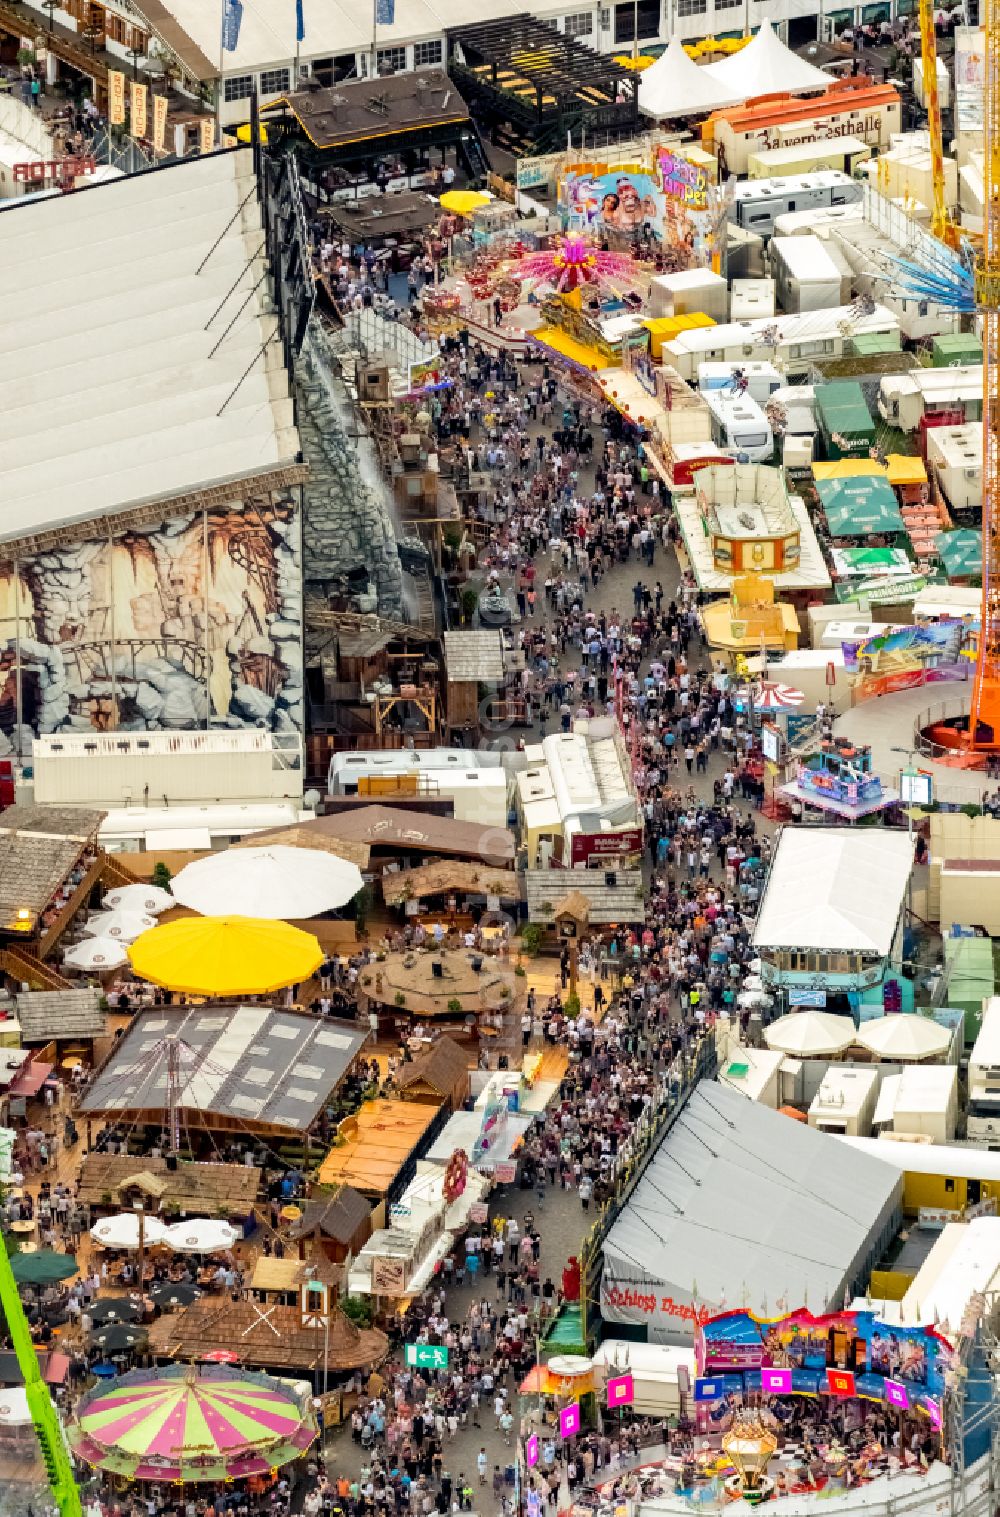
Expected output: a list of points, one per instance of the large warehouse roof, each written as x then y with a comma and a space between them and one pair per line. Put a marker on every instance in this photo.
835, 890
118, 361
739, 1202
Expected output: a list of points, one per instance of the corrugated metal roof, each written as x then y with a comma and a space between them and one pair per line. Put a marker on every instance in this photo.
738, 1201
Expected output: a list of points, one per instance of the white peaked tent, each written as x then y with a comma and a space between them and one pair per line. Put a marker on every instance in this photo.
676, 86
764, 67
904, 1038
810, 1034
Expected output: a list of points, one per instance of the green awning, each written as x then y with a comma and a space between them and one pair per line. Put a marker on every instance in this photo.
868, 558
961, 552
859, 504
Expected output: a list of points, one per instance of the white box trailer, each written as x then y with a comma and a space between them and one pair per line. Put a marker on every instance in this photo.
983, 1111
798, 223
756, 202
791, 343
904, 399
841, 153
751, 297
845, 1102
808, 670
805, 276
955, 457
926, 1102
689, 292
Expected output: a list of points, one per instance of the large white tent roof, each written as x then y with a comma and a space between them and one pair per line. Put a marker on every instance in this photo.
677, 86
764, 67
267, 28
834, 889
740, 1202
116, 364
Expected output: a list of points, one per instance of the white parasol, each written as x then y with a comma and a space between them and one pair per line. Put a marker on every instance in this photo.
125, 926
904, 1036
808, 1033
122, 1231
284, 884
146, 898
95, 955
14, 1409
200, 1235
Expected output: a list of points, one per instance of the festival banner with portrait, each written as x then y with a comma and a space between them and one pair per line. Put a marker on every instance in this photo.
842, 1354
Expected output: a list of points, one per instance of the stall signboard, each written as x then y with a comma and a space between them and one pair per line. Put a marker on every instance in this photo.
531, 1451
770, 741
116, 97
812, 998
427, 1356
388, 1276
683, 180
491, 1129
588, 846
621, 1391
505, 1173
62, 170
841, 1353
570, 1420
916, 787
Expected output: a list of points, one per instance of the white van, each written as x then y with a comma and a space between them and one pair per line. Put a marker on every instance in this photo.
762, 379
740, 426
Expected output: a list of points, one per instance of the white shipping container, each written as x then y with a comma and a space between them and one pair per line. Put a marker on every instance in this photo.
751, 297
805, 276
688, 292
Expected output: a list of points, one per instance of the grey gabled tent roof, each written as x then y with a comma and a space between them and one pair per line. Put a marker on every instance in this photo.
741, 1203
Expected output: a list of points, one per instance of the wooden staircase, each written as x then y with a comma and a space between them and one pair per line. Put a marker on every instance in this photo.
23, 967
115, 874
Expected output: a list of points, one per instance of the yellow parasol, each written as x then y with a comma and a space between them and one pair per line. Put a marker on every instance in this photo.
634, 65
463, 202
243, 133
225, 956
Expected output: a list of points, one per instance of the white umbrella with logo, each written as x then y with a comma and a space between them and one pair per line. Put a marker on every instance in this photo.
200, 1235
122, 1231
125, 926
96, 955
149, 899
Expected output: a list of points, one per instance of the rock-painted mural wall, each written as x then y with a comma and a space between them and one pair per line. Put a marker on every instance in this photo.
190, 620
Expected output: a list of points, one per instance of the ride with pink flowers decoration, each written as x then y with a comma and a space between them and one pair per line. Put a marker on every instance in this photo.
572, 262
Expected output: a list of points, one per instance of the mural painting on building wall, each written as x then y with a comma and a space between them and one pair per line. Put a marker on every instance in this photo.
194, 618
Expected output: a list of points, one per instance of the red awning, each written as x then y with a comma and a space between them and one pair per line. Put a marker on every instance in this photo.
30, 1081
55, 1369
